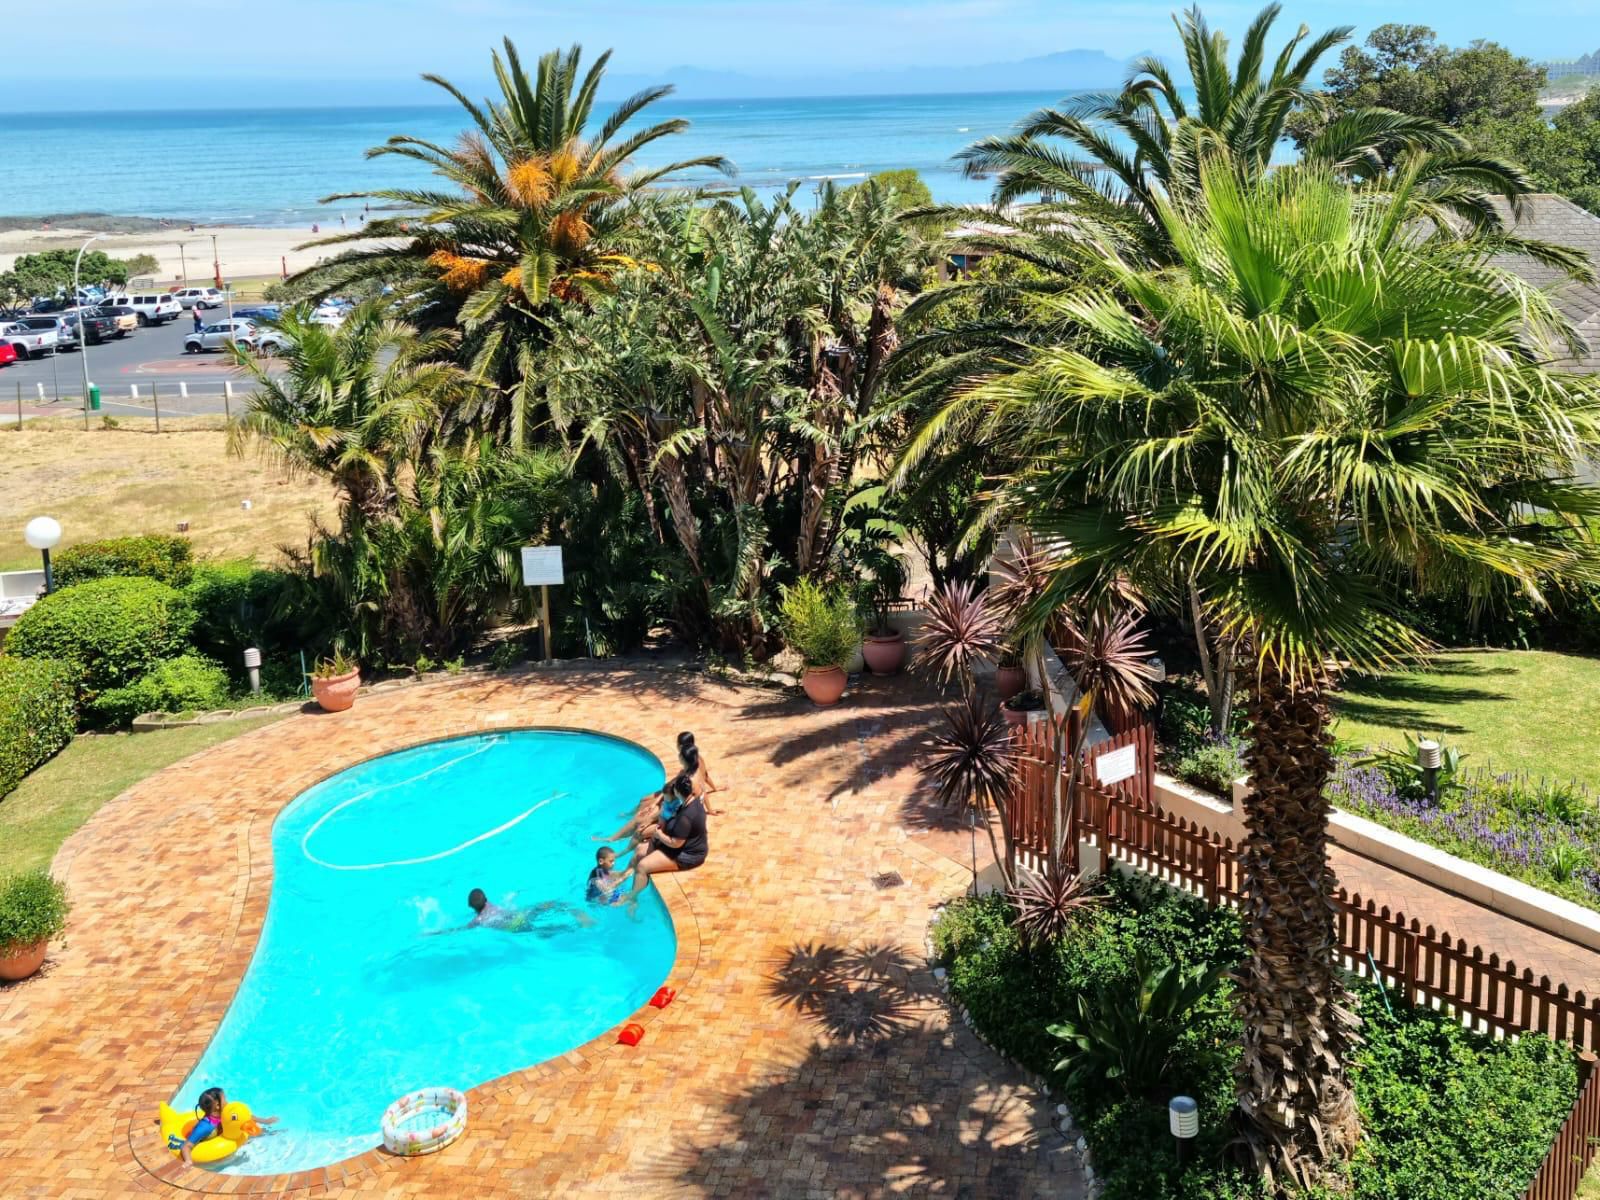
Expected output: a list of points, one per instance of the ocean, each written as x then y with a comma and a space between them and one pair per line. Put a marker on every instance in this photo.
272, 166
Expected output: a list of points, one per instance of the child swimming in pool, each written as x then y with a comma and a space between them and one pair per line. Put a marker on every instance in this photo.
605, 881
526, 919
212, 1102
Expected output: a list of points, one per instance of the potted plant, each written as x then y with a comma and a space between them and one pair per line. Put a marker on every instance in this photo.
334, 682
33, 909
824, 630
1019, 708
1009, 675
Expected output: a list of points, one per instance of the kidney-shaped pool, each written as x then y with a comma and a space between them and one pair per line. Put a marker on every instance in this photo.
354, 998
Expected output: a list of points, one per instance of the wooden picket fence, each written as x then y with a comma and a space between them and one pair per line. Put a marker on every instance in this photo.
1427, 966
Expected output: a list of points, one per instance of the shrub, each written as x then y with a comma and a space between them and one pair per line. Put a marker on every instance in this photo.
238, 604
154, 556
38, 714
112, 630
823, 629
188, 683
33, 907
1214, 765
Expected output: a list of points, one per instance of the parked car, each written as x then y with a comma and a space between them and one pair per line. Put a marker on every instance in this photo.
29, 343
205, 297
331, 315
224, 333
261, 312
127, 320
66, 331
8, 354
153, 308
273, 341
97, 327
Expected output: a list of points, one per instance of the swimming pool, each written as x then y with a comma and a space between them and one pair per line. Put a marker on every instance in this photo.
350, 1002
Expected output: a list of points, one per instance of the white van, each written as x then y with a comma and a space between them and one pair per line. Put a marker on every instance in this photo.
154, 308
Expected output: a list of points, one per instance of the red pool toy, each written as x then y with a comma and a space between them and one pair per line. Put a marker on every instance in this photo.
663, 997
631, 1035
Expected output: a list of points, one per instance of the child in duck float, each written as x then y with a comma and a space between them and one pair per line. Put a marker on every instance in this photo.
220, 1129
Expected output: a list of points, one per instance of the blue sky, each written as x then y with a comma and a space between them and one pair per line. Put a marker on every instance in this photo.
343, 45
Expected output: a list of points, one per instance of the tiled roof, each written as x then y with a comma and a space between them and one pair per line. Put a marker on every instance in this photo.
1557, 220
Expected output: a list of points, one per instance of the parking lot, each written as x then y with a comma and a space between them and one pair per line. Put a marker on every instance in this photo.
151, 360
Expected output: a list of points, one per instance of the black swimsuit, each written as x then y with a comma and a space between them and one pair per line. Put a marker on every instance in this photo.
689, 825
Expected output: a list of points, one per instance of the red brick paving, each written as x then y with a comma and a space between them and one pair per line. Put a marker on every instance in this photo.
822, 1060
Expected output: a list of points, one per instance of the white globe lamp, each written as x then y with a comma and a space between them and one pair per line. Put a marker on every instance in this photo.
43, 534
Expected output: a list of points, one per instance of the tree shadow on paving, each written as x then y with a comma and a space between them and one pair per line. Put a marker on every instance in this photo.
884, 1100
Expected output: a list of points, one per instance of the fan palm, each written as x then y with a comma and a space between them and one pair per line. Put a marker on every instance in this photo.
536, 211
1305, 413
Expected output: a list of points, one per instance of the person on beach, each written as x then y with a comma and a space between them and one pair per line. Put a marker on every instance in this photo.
680, 845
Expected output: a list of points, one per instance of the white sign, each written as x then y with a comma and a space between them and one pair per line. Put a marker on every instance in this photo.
1117, 765
541, 565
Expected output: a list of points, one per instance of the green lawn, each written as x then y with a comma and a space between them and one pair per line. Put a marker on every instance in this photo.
1517, 710
69, 789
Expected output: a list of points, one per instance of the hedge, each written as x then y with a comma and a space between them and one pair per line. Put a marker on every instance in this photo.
113, 630
159, 556
37, 714
237, 604
188, 683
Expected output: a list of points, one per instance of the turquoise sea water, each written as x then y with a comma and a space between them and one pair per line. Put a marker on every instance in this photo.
271, 166
354, 996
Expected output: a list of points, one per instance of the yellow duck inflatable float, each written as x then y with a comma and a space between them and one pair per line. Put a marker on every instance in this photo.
238, 1127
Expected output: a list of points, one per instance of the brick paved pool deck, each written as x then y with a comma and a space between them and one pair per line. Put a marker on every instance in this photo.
808, 1052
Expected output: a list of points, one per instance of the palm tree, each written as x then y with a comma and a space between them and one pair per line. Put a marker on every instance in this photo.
354, 403
536, 211
1127, 151
1306, 412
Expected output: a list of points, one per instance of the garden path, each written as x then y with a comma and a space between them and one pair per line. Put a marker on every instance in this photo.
823, 1062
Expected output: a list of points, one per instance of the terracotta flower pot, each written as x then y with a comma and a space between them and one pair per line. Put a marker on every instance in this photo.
337, 693
19, 962
885, 652
823, 684
1008, 681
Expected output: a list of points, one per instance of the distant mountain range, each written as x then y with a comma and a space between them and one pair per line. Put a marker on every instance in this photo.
1063, 71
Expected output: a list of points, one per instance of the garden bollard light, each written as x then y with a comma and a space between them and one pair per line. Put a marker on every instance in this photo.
252, 666
1183, 1117
42, 533
1429, 758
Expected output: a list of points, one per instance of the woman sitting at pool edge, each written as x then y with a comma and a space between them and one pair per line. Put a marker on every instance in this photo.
680, 846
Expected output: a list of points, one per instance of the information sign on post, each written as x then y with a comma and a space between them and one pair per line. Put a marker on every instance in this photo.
541, 568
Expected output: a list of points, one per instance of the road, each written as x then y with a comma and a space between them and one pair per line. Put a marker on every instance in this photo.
151, 360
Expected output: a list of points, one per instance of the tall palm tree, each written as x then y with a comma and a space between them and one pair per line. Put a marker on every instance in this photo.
1113, 158
535, 211
1307, 410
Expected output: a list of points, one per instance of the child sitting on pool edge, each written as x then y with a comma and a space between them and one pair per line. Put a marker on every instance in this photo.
212, 1102
605, 881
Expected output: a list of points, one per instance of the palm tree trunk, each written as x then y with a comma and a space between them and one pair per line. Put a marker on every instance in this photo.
1293, 1094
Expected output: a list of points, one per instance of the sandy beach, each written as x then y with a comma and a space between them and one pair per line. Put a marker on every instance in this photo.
242, 251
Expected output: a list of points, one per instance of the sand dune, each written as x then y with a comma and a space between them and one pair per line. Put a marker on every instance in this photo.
241, 251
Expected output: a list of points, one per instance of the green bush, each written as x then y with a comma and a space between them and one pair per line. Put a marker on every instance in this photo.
1447, 1114
38, 714
33, 907
154, 556
823, 628
239, 603
112, 630
188, 683
1213, 765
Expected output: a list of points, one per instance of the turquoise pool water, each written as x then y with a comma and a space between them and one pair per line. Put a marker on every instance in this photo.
350, 1001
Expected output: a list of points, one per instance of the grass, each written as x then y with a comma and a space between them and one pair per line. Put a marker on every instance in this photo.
65, 792
1589, 1185
1514, 710
129, 480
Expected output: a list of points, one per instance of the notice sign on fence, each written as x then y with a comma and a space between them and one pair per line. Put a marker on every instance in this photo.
541, 566
1117, 765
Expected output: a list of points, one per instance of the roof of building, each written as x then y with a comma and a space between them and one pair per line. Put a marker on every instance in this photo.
1555, 219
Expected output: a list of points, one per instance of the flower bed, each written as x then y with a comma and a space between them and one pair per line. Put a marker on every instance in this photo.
1547, 835
1446, 1113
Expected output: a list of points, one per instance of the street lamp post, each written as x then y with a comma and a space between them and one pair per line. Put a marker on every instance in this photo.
42, 533
83, 340
183, 264
216, 263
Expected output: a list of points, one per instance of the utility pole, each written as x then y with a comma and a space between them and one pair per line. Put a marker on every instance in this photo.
216, 263
83, 340
183, 263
